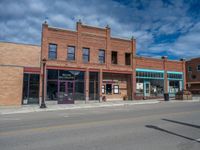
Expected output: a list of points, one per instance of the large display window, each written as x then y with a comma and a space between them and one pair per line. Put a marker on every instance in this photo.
94, 86
175, 82
61, 83
31, 88
149, 82
149, 87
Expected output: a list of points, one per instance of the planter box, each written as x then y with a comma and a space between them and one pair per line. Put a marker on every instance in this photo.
183, 95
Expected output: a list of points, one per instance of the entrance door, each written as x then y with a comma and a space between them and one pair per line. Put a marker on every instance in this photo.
146, 88
66, 92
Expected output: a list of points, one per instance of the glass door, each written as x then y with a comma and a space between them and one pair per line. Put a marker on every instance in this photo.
66, 92
146, 88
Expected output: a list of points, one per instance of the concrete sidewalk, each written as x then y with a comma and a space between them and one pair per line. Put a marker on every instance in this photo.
36, 108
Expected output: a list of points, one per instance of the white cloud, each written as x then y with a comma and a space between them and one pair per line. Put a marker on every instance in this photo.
145, 20
188, 44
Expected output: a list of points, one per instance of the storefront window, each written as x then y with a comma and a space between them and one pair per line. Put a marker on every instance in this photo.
103, 89
65, 77
52, 74
94, 86
139, 87
155, 75
174, 76
149, 87
31, 89
149, 83
79, 90
52, 89
175, 82
116, 89
174, 86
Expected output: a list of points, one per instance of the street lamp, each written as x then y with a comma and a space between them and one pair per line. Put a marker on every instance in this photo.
43, 105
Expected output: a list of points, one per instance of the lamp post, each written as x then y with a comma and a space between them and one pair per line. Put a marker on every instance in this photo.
43, 105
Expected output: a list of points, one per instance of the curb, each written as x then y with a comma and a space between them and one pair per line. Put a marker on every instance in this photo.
37, 109
184, 101
88, 106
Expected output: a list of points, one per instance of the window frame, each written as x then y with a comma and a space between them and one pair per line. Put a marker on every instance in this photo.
128, 60
74, 54
101, 50
114, 87
103, 89
189, 69
50, 51
198, 67
112, 52
88, 55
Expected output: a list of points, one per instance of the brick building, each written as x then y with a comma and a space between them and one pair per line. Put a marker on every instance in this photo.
95, 65
19, 73
88, 64
193, 75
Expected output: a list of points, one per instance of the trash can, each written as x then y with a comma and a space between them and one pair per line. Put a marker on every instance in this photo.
166, 96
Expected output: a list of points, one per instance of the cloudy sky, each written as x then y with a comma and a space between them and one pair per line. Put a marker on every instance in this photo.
161, 27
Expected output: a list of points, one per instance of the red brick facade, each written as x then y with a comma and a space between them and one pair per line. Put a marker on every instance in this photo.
95, 39
193, 75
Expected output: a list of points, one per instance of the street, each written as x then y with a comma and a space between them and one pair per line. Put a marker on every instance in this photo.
162, 126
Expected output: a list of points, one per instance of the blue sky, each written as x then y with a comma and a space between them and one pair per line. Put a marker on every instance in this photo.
161, 27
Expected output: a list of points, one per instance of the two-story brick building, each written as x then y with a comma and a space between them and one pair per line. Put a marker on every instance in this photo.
193, 75
88, 64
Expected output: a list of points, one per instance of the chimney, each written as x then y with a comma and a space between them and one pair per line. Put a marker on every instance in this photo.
182, 59
164, 57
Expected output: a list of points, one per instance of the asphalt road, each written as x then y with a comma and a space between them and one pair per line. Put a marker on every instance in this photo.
163, 126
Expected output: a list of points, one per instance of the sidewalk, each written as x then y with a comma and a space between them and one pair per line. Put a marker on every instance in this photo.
36, 108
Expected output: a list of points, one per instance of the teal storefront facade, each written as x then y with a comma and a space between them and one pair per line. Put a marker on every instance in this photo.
175, 82
150, 83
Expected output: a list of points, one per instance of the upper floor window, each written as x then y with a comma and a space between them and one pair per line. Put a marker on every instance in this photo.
70, 53
52, 51
86, 55
127, 59
101, 56
198, 68
193, 76
189, 68
114, 57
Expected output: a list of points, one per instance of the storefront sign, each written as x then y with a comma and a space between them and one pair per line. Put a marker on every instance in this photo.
110, 81
67, 77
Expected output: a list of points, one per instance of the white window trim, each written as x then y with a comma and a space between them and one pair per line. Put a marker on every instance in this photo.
114, 89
